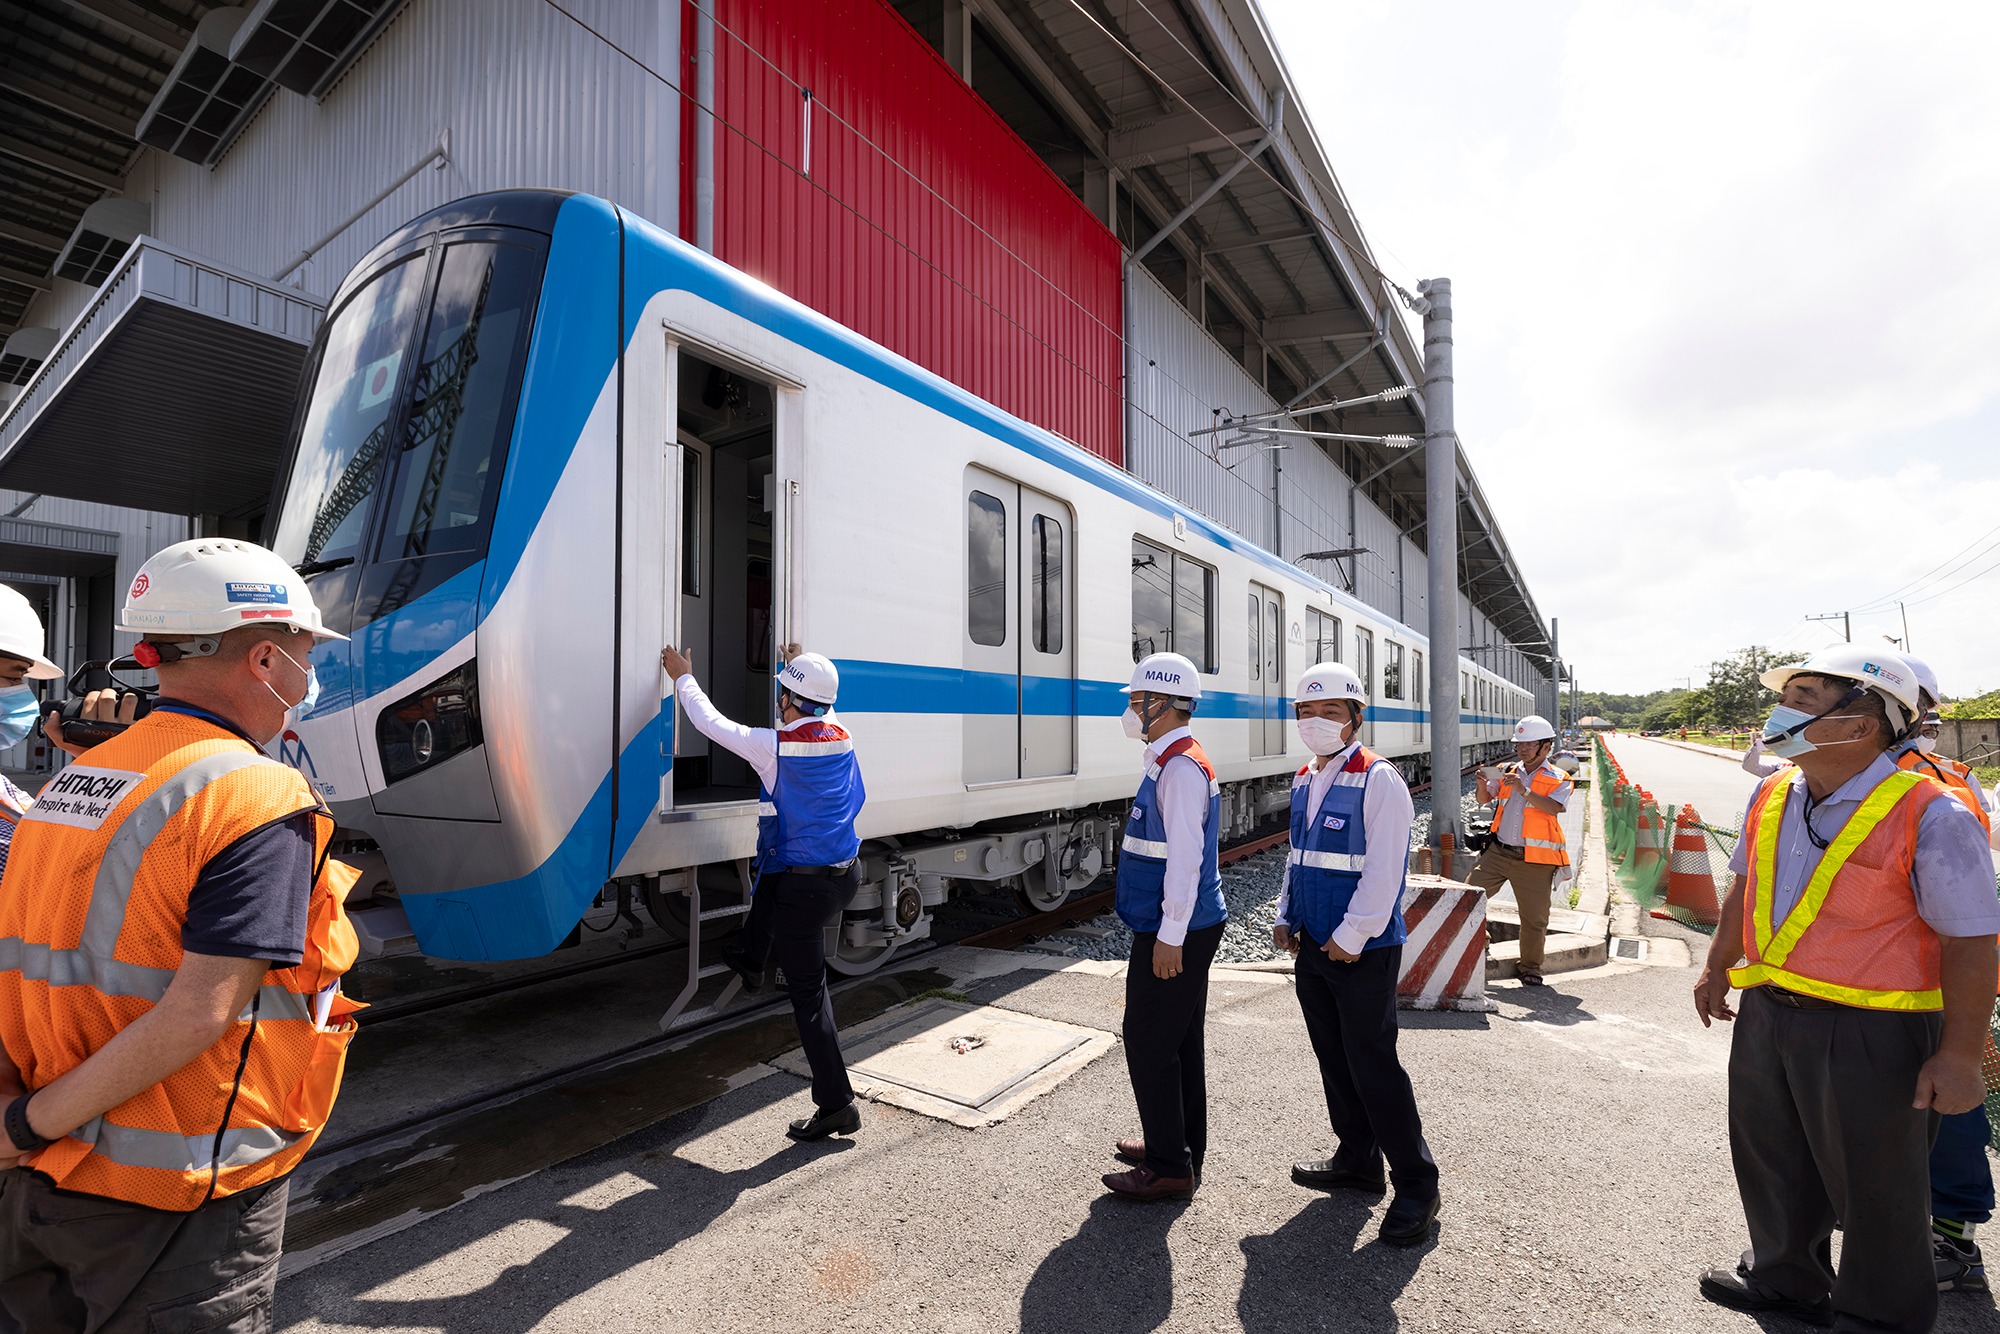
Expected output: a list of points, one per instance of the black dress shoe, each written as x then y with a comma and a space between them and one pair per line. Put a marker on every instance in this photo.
739, 963
1410, 1219
1739, 1292
1324, 1175
841, 1121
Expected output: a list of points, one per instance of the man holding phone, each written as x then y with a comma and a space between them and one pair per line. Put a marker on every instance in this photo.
1528, 847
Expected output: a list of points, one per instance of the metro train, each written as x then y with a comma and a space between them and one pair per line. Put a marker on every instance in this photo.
539, 437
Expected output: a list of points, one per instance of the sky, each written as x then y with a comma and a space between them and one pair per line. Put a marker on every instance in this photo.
1726, 299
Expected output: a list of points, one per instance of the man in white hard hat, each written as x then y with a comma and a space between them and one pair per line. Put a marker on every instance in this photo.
21, 661
1169, 892
1528, 847
808, 858
176, 881
1961, 1174
1861, 927
1340, 910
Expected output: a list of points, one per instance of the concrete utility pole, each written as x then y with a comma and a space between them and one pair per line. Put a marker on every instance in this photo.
1441, 525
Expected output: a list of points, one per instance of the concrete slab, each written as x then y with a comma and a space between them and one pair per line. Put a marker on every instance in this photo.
971, 1065
1561, 953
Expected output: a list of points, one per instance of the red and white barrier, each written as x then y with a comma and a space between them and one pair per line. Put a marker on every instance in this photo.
1444, 959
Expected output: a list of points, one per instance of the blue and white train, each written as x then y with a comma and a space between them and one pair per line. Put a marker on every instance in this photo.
539, 438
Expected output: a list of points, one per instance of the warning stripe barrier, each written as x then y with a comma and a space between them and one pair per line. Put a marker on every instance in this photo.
1444, 959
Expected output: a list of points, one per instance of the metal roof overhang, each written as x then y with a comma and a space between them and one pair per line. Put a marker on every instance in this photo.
55, 550
173, 391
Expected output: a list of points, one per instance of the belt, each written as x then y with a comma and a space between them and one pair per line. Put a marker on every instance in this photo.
841, 869
1796, 1001
1521, 853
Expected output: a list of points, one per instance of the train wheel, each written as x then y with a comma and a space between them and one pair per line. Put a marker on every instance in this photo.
1037, 897
851, 960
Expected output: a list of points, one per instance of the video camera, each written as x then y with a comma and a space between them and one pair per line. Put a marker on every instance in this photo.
68, 713
1478, 834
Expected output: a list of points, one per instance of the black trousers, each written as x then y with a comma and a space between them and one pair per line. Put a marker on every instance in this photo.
1350, 1013
788, 918
1821, 1129
82, 1264
1165, 1050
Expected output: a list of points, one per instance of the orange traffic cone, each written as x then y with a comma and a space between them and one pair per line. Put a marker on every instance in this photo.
1690, 881
1645, 864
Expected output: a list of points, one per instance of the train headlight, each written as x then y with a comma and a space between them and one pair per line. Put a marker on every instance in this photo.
427, 728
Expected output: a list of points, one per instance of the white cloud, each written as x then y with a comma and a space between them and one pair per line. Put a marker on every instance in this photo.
1727, 299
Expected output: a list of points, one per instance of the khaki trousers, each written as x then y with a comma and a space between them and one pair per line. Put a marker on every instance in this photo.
1532, 882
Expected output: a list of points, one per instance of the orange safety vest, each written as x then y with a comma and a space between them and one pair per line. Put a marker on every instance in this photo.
1854, 936
1956, 778
1541, 833
91, 910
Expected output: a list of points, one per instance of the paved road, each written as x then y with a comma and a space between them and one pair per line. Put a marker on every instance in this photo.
1580, 1131
1675, 776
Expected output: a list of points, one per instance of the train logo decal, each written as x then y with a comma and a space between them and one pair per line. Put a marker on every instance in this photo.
292, 750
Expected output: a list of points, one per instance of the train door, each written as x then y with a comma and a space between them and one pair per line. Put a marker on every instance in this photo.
1019, 652
719, 554
1267, 674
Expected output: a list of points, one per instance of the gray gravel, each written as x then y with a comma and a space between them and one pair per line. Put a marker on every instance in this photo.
1249, 888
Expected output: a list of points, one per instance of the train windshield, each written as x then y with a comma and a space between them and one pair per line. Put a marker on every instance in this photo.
405, 429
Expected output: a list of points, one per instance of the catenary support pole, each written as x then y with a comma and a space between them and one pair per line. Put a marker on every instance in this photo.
1441, 525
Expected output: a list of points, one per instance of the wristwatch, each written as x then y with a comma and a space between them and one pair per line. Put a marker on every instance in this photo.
18, 1129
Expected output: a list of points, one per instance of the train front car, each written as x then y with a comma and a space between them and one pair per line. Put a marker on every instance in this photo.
447, 499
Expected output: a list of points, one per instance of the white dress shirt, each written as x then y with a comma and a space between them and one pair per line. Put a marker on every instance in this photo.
1181, 796
1386, 816
757, 745
1513, 813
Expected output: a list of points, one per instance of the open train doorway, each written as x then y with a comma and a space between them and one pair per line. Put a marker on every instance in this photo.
725, 428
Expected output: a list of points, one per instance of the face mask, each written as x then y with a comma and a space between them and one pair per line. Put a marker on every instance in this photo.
1134, 728
18, 711
1923, 745
1791, 747
1322, 736
295, 710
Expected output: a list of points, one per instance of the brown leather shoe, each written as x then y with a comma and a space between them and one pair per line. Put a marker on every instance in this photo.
1131, 1150
1143, 1183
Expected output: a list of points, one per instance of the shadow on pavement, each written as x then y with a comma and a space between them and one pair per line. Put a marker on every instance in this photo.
1310, 1274
1113, 1277
600, 1244
1545, 1005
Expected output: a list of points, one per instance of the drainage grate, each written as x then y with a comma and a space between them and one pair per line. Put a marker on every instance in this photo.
1628, 950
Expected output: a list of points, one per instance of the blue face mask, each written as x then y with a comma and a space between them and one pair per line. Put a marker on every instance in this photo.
1785, 731
19, 710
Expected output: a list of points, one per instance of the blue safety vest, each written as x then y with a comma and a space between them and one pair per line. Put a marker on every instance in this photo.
1329, 847
806, 817
1142, 857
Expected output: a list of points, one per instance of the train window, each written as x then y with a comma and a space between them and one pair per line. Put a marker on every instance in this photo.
1364, 660
1419, 687
1464, 690
1256, 636
985, 569
462, 394
339, 454
1171, 601
1273, 639
1323, 635
1392, 669
1045, 537
691, 522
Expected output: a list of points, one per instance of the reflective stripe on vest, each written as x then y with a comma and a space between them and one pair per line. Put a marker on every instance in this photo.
89, 942
1893, 807
807, 817
1955, 778
1329, 850
1139, 893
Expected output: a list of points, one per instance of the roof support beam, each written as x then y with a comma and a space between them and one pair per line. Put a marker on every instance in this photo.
135, 22
1319, 326
1258, 242
33, 236
57, 163
1215, 186
23, 278
104, 118
1081, 123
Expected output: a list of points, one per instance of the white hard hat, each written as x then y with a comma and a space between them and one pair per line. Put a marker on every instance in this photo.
1927, 681
1887, 674
1329, 680
212, 585
811, 676
21, 635
1166, 674
1534, 727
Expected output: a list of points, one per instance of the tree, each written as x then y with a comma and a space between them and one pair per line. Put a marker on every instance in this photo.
1666, 710
1736, 698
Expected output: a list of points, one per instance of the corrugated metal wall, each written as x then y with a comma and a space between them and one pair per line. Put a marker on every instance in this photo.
140, 534
970, 257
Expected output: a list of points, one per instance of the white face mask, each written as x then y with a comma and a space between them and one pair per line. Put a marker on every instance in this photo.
1323, 736
295, 709
1133, 727
1924, 745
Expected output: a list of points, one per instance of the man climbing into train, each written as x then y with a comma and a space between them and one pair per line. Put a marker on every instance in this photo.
1169, 892
172, 936
808, 858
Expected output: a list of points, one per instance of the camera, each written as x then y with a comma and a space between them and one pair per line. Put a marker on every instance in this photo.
67, 713
1478, 834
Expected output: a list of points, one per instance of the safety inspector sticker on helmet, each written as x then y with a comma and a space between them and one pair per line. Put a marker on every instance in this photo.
83, 798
